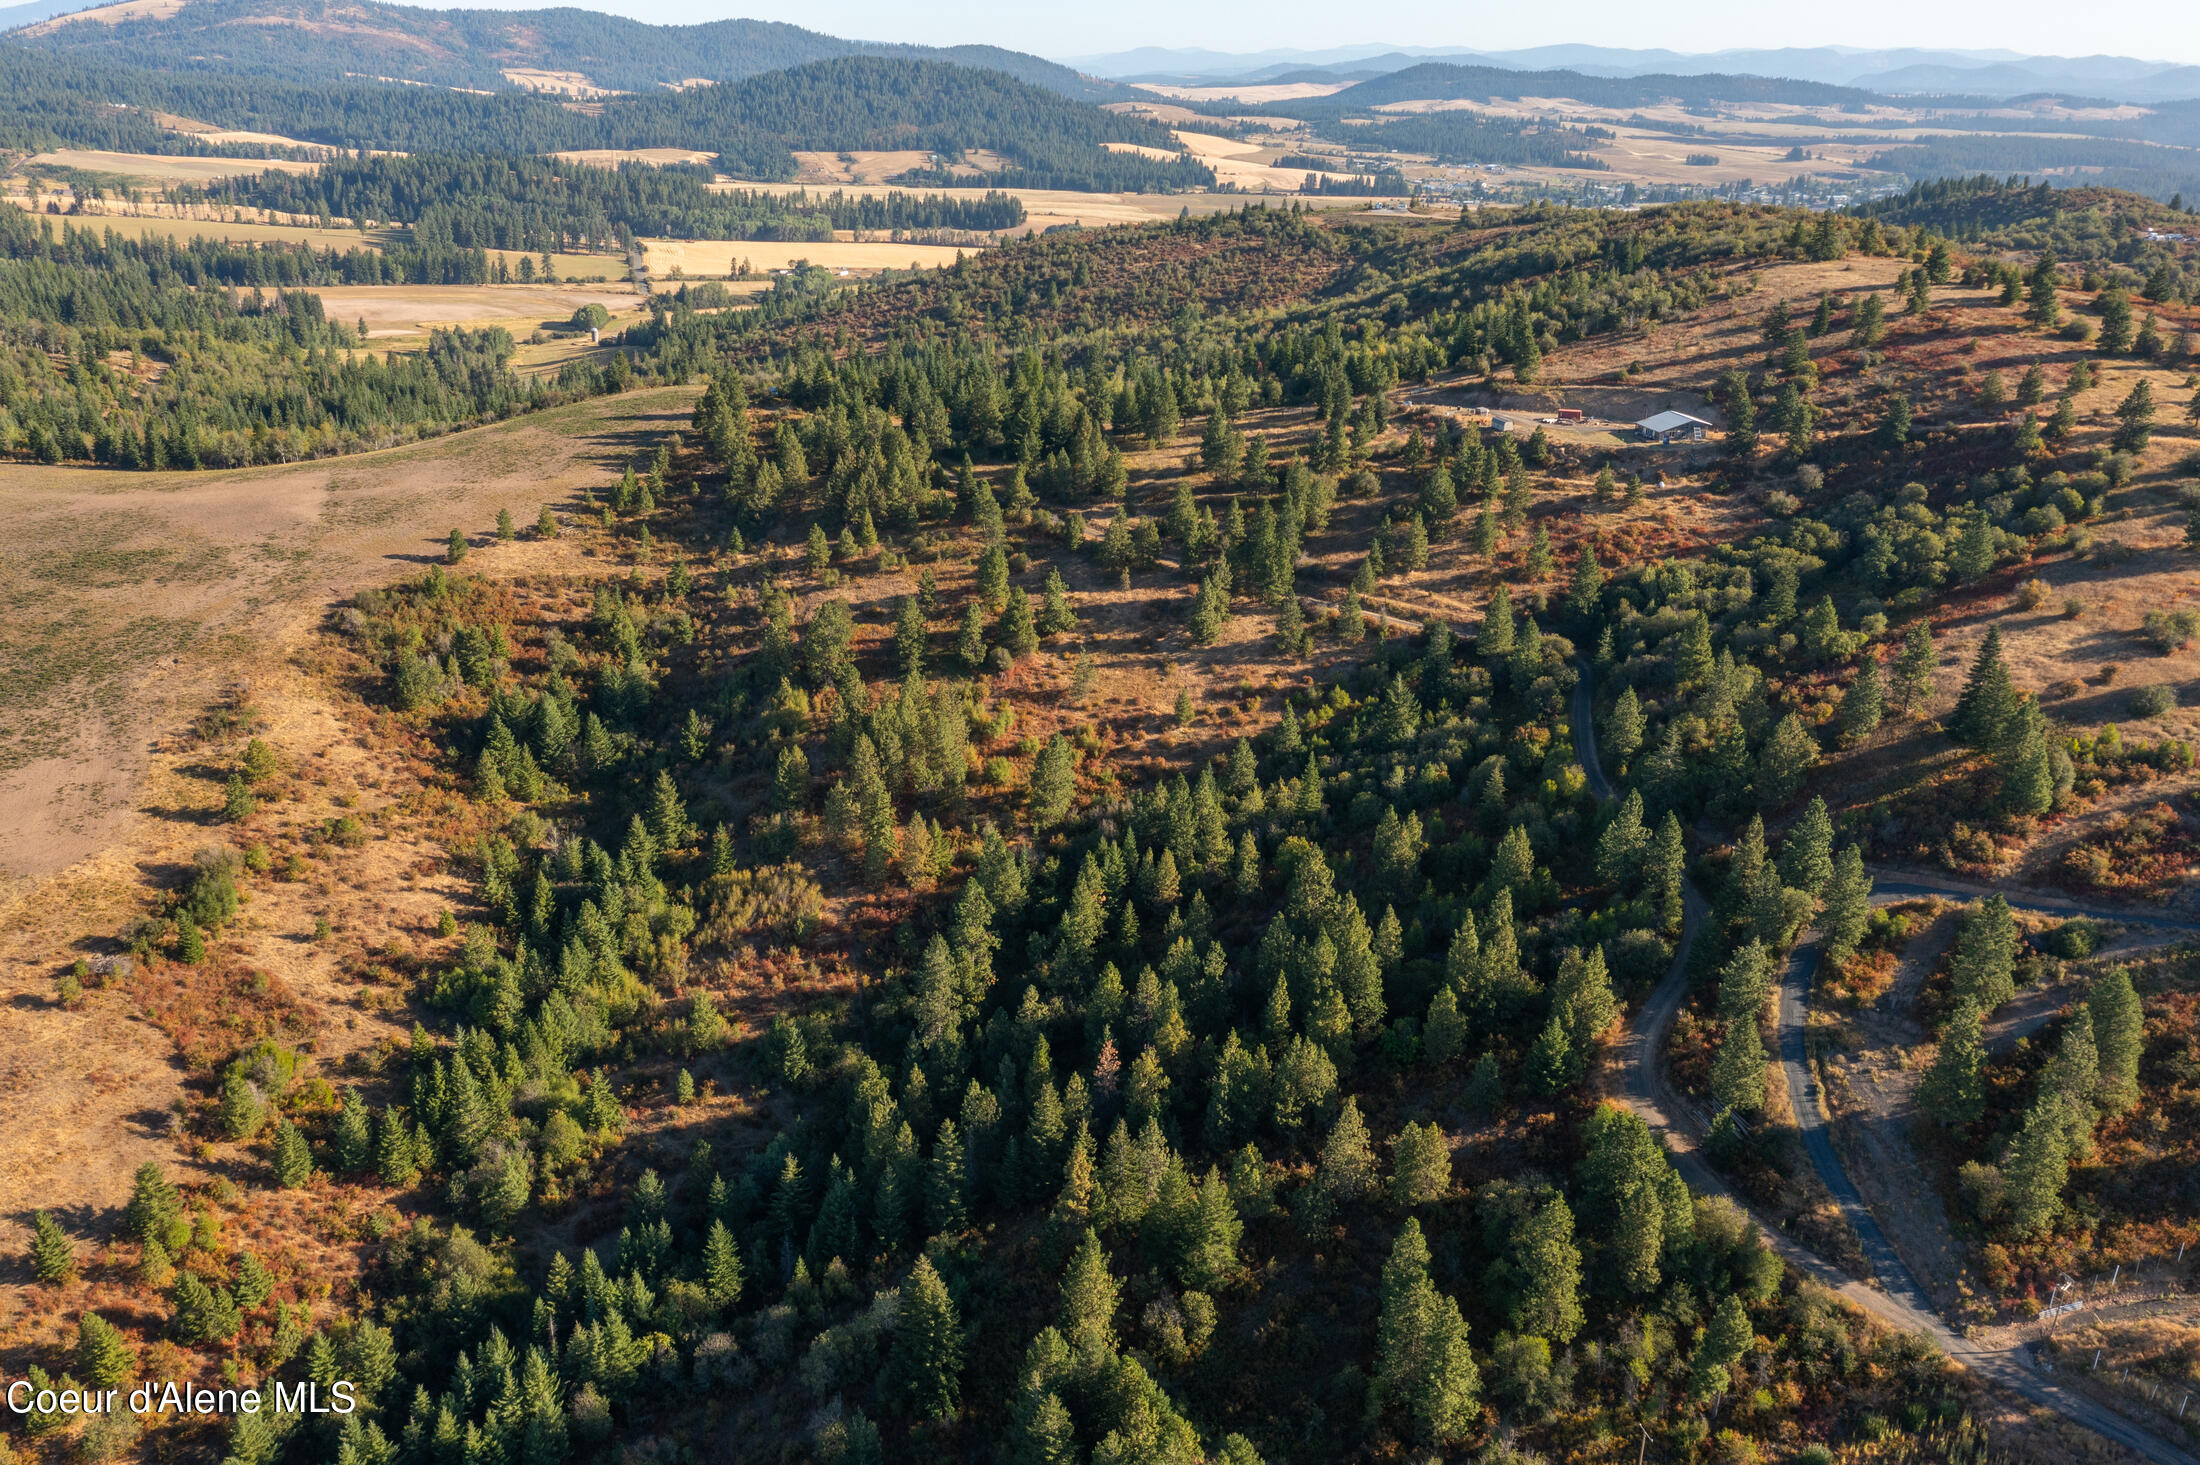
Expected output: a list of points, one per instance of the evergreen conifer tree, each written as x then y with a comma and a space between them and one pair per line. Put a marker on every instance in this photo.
1863, 703
53, 1255
2119, 1034
1988, 704
102, 1357
1423, 1370
1983, 966
1806, 854
293, 1160
1913, 670
1846, 909
1950, 1090
1420, 1169
722, 1275
1546, 1264
927, 1356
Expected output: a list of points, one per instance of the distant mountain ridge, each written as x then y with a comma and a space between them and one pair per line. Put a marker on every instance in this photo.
1900, 70
368, 39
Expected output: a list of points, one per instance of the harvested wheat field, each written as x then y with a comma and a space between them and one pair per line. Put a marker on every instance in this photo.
613, 157
164, 169
708, 258
400, 310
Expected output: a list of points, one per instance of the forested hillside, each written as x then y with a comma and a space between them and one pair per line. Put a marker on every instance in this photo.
1045, 861
302, 40
849, 103
1444, 80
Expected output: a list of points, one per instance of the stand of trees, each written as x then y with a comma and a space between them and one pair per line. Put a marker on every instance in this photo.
214, 379
534, 205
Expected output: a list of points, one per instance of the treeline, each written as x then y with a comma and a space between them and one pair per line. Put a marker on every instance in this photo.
2155, 170
1389, 182
1463, 137
269, 265
211, 379
536, 205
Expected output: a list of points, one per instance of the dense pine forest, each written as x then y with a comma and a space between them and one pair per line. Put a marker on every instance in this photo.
536, 205
1045, 140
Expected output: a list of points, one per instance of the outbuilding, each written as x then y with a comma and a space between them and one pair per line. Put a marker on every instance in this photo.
1669, 426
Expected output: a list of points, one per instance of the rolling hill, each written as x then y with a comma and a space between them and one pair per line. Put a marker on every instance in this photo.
842, 103
1904, 70
577, 51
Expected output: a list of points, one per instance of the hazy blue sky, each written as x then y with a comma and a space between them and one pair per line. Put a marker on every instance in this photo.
2159, 30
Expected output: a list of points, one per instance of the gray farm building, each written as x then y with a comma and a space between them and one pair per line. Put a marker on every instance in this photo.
1668, 427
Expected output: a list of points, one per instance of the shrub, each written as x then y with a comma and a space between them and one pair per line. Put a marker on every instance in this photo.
781, 900
2073, 608
2169, 630
2087, 867
2075, 939
2032, 594
2152, 701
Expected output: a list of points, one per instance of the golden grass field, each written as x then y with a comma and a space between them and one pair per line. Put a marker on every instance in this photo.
1256, 95
133, 600
110, 15
613, 157
190, 570
162, 169
709, 258
397, 310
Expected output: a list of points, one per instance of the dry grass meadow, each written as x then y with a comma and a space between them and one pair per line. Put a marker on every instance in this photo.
135, 602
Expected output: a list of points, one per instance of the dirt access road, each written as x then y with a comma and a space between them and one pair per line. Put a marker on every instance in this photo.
1898, 1301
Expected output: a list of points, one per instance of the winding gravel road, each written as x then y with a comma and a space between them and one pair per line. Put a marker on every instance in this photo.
1897, 1299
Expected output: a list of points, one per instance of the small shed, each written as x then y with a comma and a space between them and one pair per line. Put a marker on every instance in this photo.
1569, 414
1670, 426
